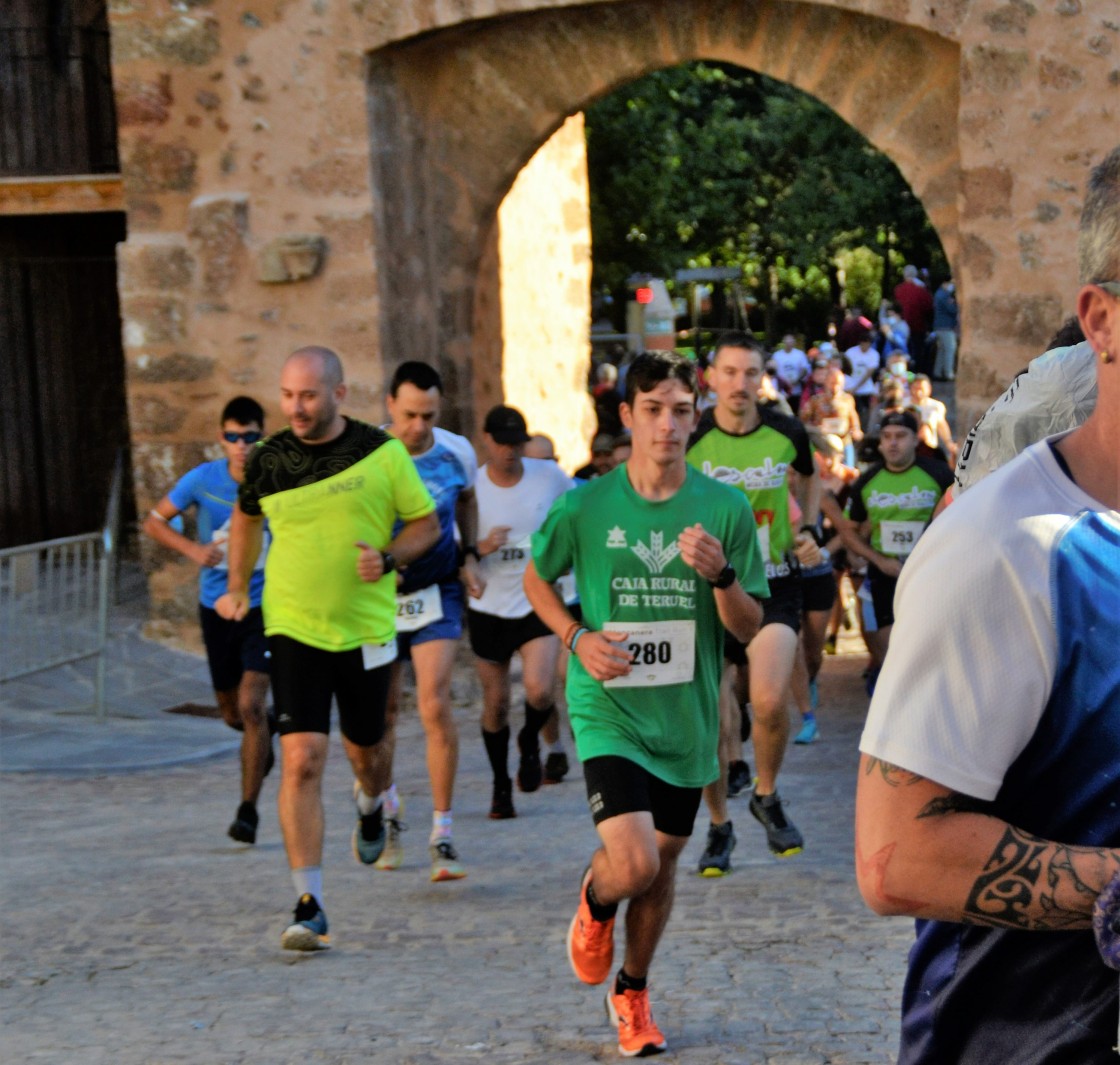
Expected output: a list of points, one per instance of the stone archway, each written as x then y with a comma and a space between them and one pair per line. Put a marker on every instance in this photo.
469, 106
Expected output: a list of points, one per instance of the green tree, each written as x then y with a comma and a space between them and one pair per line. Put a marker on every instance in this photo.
707, 164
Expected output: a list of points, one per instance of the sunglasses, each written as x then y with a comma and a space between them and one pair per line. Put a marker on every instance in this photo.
250, 437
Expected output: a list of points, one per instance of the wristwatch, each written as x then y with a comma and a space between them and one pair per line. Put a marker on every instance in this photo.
725, 579
388, 563
472, 550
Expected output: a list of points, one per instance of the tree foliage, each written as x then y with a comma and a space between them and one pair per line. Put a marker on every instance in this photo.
708, 164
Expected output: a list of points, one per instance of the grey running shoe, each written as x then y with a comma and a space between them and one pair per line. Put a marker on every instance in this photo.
445, 862
308, 930
781, 832
393, 854
716, 859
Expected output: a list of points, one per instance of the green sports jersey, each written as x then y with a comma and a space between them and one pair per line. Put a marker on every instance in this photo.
899, 505
320, 501
630, 576
757, 463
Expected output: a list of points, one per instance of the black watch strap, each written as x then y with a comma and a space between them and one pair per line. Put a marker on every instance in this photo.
388, 563
472, 550
725, 579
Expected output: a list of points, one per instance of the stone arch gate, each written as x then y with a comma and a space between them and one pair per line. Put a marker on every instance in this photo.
300, 171
467, 106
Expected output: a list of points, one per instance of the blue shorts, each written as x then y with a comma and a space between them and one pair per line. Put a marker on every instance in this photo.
449, 627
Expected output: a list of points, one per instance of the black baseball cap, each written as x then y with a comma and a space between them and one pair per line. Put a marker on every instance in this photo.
900, 417
506, 425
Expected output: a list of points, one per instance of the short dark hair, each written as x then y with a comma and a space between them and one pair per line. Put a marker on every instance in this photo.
243, 410
650, 368
736, 338
418, 374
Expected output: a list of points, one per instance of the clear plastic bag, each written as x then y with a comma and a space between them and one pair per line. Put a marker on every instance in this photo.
1057, 392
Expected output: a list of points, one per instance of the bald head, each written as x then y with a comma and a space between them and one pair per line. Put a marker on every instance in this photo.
328, 363
540, 446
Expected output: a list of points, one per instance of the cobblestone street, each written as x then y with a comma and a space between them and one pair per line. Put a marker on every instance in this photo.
137, 933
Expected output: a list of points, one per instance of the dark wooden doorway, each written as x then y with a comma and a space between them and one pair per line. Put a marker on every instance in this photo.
63, 413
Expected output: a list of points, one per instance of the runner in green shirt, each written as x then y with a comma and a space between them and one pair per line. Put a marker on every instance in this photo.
656, 587
892, 504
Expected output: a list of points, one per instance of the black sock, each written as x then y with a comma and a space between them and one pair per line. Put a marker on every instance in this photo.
247, 812
534, 721
497, 750
744, 723
600, 911
625, 982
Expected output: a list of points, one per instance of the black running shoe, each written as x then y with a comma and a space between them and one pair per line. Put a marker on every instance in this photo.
244, 827
501, 803
529, 770
738, 779
781, 833
555, 767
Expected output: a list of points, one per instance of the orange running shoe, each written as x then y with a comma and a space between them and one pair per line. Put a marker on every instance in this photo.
590, 942
638, 1036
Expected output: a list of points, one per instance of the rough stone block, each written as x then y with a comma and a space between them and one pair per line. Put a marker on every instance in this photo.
1010, 18
347, 234
217, 226
979, 257
337, 173
142, 102
987, 192
352, 288
995, 70
160, 264
150, 415
187, 39
1027, 320
152, 320
292, 257
178, 367
150, 166
1058, 76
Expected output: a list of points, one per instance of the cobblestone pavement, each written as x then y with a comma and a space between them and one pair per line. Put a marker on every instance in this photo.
136, 933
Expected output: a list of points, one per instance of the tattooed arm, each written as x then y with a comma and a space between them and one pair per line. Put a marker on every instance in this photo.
926, 851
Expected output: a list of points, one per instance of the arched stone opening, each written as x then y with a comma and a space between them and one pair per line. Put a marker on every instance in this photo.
469, 106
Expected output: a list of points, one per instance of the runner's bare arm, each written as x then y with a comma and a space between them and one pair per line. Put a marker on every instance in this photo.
927, 851
155, 525
599, 652
466, 517
740, 613
414, 538
245, 536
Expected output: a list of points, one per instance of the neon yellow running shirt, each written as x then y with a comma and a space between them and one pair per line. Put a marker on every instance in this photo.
320, 500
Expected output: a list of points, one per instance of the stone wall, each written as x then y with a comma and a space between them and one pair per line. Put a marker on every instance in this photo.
308, 170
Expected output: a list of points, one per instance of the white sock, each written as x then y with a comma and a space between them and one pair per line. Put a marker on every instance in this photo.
309, 881
367, 803
441, 825
556, 748
390, 801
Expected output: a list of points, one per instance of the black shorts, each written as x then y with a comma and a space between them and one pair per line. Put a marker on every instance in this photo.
304, 679
882, 596
818, 593
618, 786
233, 647
494, 639
782, 608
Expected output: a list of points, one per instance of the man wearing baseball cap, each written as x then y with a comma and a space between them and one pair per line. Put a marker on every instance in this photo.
514, 496
892, 504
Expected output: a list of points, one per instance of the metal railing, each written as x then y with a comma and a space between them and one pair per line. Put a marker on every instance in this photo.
55, 598
57, 112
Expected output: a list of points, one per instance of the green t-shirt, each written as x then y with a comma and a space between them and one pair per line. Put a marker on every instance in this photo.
756, 463
320, 500
899, 505
623, 550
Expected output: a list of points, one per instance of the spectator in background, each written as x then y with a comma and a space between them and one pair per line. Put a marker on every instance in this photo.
917, 310
864, 362
946, 327
602, 448
793, 368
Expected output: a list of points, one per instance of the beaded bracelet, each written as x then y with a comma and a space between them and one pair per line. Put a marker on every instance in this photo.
567, 641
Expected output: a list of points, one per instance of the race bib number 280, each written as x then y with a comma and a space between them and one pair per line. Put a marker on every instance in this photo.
661, 652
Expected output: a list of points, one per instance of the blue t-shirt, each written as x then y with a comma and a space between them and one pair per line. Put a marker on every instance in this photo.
444, 475
213, 491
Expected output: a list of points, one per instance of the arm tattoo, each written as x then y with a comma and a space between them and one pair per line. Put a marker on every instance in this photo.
893, 775
1025, 871
954, 803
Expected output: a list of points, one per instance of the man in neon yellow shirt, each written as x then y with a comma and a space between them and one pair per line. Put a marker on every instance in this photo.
332, 489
